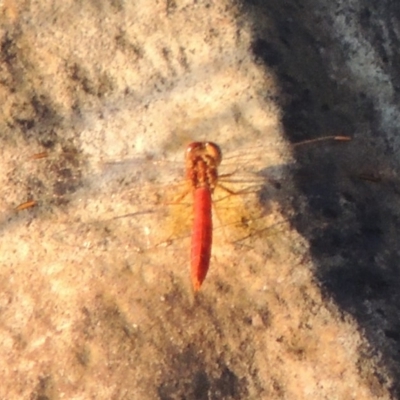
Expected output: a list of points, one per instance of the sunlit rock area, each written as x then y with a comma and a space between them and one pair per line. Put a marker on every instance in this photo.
99, 100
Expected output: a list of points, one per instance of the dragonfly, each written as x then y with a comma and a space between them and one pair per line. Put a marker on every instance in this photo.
202, 161
203, 179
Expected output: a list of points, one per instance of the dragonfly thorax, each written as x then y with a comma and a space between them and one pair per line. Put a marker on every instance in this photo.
202, 161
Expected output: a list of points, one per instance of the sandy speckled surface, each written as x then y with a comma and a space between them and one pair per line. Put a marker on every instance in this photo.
98, 304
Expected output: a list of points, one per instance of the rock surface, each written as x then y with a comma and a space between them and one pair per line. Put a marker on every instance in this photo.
306, 307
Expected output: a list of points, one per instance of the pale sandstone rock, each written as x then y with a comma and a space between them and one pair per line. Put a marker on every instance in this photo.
304, 309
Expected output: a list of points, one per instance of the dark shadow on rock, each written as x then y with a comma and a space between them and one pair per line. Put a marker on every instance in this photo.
351, 222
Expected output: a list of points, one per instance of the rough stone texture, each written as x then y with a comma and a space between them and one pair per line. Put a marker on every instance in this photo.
305, 307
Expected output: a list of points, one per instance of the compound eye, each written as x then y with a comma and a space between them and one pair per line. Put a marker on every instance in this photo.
193, 147
214, 151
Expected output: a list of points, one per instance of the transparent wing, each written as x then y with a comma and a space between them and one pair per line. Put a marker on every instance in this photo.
130, 199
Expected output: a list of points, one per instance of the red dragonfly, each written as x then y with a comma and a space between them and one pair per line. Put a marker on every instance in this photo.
202, 161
